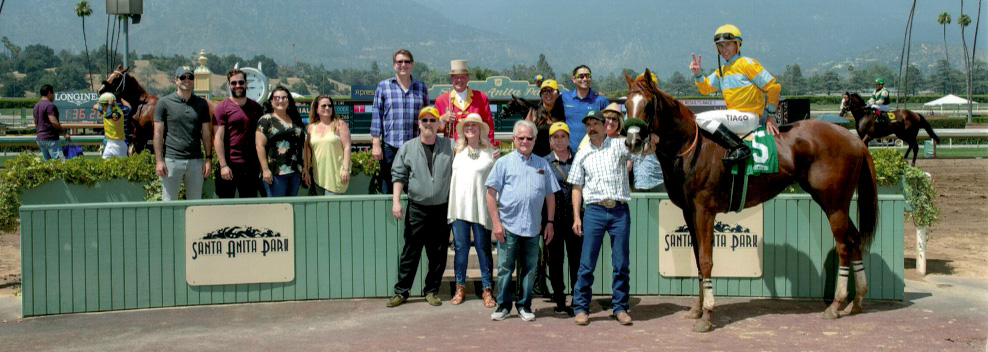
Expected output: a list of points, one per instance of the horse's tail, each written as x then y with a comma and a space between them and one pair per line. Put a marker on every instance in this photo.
867, 202
928, 128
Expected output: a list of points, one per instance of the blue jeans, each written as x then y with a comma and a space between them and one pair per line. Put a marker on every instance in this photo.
384, 175
283, 185
526, 251
51, 149
616, 221
461, 247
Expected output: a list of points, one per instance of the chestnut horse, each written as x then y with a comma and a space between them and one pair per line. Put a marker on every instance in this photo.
905, 125
823, 158
142, 104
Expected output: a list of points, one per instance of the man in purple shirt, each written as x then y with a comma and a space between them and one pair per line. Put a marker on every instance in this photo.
46, 122
236, 120
397, 102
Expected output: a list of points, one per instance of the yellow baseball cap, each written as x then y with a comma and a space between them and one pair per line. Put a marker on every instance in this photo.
429, 111
549, 84
558, 126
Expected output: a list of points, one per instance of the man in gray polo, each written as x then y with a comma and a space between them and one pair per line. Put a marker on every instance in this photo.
181, 132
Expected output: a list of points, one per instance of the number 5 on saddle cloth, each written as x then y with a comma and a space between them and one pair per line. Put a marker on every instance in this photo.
764, 159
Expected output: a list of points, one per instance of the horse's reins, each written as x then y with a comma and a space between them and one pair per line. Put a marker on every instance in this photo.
696, 130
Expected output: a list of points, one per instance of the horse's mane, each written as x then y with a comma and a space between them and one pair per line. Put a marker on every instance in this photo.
140, 89
661, 98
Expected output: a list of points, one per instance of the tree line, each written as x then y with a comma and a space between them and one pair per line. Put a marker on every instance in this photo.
25, 69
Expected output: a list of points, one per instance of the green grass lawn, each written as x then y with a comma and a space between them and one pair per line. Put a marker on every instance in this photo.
943, 152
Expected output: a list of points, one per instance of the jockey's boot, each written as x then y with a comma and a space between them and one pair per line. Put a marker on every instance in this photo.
737, 151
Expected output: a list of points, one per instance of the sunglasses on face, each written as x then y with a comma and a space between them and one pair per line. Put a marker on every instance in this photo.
187, 78
723, 36
238, 83
525, 138
403, 62
548, 92
583, 75
279, 98
429, 120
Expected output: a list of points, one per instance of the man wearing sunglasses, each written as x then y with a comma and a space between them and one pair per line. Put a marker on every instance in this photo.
397, 101
181, 133
423, 166
578, 102
750, 92
236, 120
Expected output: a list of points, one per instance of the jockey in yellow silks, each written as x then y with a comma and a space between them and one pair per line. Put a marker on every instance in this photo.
750, 93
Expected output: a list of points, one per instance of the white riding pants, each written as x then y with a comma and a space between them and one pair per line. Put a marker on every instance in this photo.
736, 121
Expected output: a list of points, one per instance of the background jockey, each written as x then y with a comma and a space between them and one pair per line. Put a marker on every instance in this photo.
749, 91
880, 97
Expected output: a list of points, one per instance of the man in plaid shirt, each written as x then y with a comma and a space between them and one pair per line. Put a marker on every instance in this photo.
397, 102
599, 175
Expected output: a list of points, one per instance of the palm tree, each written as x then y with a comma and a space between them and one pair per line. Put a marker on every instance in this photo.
944, 20
964, 21
83, 10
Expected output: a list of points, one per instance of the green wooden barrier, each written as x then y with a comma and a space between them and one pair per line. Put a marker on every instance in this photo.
115, 256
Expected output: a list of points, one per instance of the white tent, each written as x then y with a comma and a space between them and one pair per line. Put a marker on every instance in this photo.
949, 99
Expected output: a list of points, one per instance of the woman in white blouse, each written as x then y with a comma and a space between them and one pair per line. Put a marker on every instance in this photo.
474, 157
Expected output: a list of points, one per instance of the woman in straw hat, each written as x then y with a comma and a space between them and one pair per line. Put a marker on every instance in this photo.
472, 162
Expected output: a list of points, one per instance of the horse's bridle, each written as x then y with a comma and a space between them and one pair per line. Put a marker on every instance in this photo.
696, 130
123, 81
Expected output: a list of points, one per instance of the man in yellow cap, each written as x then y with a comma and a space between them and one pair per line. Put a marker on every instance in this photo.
114, 114
423, 166
560, 160
750, 92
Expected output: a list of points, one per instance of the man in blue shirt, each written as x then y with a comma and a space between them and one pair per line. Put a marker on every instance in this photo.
397, 102
578, 102
524, 182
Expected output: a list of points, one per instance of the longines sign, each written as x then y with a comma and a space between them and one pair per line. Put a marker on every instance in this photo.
239, 244
77, 107
737, 243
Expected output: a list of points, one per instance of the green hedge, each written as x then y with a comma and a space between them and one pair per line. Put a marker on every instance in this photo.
14, 103
948, 122
912, 99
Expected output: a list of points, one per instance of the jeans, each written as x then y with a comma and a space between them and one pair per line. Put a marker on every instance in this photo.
425, 227
246, 181
178, 169
461, 247
563, 238
51, 149
283, 185
616, 221
526, 251
384, 176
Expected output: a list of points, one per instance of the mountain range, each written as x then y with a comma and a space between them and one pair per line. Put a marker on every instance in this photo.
607, 36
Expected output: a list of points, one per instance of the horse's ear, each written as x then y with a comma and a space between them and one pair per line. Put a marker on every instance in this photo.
513, 97
125, 69
119, 67
628, 78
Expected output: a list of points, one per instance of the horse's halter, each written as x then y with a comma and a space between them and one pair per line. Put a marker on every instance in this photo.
123, 81
633, 103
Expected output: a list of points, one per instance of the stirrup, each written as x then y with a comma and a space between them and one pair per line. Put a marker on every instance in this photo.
730, 158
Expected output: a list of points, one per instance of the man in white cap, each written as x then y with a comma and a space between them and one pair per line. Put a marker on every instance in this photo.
455, 105
114, 114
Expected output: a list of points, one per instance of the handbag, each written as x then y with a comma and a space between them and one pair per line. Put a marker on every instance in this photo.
71, 151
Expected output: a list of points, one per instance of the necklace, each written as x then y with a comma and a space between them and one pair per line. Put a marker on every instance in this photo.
473, 153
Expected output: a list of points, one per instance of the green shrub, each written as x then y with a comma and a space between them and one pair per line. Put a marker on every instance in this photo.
363, 162
14, 103
921, 196
947, 122
889, 166
27, 171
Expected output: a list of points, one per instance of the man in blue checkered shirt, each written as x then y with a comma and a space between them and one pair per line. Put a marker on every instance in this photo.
397, 102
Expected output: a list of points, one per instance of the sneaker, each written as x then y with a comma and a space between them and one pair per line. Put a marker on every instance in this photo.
433, 299
526, 314
563, 310
500, 314
396, 300
582, 318
623, 318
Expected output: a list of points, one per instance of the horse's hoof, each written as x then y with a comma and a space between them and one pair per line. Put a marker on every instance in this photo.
852, 309
702, 326
831, 313
693, 314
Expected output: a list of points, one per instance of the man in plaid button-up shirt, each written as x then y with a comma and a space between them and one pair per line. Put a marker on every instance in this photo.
397, 102
599, 173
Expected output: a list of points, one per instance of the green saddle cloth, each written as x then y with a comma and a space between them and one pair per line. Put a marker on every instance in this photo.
764, 155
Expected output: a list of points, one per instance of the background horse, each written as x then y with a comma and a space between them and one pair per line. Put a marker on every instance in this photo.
905, 125
825, 160
517, 106
142, 104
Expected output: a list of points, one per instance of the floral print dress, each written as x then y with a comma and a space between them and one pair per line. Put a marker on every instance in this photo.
284, 146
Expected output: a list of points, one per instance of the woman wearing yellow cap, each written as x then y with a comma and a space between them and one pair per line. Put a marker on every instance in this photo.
560, 160
546, 114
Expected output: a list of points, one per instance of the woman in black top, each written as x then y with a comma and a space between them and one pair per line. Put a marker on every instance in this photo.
551, 110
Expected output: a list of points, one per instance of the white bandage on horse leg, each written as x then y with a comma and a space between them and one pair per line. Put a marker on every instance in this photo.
708, 294
842, 274
860, 282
